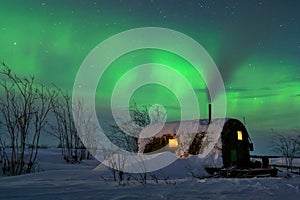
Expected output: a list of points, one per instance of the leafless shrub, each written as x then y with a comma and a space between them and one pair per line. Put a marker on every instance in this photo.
164, 178
24, 107
68, 131
63, 128
288, 146
154, 178
86, 129
140, 117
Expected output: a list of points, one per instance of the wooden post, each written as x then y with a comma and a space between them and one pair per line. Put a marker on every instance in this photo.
265, 162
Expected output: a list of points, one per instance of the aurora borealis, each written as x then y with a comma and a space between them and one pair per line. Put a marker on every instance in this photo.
255, 44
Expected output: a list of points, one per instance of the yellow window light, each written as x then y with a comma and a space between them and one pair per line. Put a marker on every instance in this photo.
240, 135
173, 143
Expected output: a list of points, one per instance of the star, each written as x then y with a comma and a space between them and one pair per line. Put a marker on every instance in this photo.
200, 5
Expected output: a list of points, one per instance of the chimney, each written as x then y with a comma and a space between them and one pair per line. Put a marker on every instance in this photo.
209, 113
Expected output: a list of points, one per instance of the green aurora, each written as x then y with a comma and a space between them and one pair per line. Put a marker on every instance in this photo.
255, 45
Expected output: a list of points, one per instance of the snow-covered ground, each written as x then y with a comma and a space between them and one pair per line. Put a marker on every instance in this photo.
89, 180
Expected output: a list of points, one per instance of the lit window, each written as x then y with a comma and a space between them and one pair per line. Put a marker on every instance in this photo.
240, 135
173, 143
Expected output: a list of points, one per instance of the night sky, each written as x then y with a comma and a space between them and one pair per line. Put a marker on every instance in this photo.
255, 44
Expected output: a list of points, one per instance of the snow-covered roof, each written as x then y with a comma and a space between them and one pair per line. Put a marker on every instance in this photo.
185, 132
179, 127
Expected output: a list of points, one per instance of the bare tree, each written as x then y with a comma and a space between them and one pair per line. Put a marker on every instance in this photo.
73, 134
64, 128
119, 135
141, 116
297, 132
24, 107
288, 146
86, 128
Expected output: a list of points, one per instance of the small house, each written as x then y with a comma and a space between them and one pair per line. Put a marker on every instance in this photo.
222, 142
